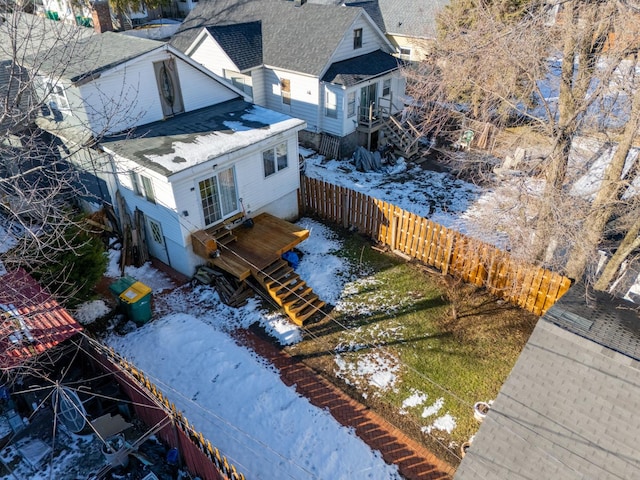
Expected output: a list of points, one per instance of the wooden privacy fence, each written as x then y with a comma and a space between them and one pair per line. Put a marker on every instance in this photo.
532, 288
151, 406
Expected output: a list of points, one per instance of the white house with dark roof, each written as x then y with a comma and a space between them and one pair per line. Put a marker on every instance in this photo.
325, 64
145, 122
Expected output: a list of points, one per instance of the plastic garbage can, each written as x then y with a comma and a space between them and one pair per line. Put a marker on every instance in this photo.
121, 285
136, 301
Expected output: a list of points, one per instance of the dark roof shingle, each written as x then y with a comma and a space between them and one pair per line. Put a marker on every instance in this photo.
297, 38
242, 42
358, 69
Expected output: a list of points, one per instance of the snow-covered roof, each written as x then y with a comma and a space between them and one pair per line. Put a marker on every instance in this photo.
184, 141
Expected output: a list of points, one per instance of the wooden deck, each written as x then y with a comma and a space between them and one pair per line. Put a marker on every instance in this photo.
258, 246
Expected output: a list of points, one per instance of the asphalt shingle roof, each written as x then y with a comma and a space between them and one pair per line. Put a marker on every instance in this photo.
297, 38
242, 42
64, 50
358, 69
412, 18
569, 408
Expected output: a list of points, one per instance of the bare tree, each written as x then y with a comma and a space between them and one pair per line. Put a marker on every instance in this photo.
40, 176
515, 64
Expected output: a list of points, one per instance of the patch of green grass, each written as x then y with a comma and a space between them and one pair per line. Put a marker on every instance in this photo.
435, 337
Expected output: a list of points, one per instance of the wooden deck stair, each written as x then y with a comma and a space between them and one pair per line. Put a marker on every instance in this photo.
290, 292
404, 136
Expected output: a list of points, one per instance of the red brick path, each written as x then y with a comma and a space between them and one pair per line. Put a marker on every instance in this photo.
413, 460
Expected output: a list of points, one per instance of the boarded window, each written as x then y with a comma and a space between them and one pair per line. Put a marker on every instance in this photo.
169, 87
285, 90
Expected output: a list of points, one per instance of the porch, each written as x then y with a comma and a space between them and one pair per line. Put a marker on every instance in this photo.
253, 249
400, 133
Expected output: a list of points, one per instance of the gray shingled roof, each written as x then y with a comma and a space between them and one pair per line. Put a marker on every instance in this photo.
358, 69
242, 42
300, 39
413, 18
96, 53
65, 50
569, 408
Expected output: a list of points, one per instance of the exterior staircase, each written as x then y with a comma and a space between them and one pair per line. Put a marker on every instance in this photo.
290, 292
404, 136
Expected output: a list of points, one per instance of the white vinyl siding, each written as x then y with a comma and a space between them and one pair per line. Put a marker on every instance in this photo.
334, 122
128, 96
371, 41
209, 54
304, 96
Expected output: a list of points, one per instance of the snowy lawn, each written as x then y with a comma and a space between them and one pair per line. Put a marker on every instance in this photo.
389, 347
394, 344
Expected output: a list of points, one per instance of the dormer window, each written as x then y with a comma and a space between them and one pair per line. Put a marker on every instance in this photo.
357, 38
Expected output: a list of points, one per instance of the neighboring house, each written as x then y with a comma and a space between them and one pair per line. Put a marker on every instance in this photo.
325, 64
32, 322
144, 122
569, 408
410, 25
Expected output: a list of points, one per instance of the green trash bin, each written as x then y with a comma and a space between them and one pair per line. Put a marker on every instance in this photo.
136, 301
120, 286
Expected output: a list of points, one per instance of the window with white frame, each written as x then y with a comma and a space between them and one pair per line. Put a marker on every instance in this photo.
351, 104
147, 189
58, 96
405, 53
357, 38
275, 159
386, 87
240, 81
135, 182
330, 103
219, 196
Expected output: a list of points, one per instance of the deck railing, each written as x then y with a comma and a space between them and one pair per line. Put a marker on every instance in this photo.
530, 287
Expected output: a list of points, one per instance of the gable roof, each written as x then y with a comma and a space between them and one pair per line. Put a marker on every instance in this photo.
569, 408
94, 54
355, 70
181, 142
297, 38
64, 50
241, 41
411, 18
32, 322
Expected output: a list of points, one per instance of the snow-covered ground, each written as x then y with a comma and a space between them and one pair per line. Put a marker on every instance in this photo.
239, 403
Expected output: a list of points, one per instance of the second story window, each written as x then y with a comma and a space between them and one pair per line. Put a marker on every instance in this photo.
386, 87
357, 38
285, 90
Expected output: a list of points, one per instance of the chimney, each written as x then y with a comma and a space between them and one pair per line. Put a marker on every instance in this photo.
101, 15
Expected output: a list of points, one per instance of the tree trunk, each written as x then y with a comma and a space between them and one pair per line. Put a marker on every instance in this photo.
630, 242
607, 198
